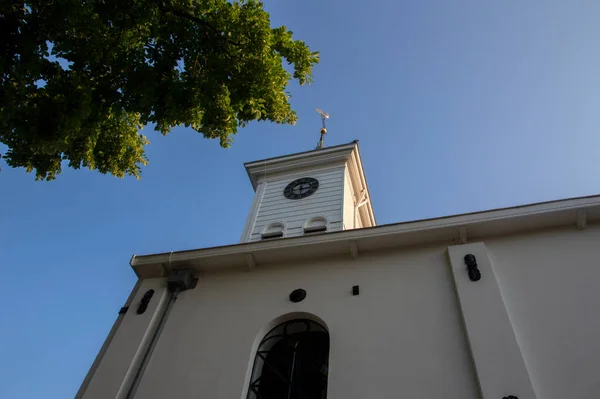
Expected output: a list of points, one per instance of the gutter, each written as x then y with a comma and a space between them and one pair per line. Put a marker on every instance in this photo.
457, 228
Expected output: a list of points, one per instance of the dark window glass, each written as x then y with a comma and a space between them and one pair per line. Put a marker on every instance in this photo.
291, 362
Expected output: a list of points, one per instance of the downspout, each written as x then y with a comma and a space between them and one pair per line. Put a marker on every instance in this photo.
148, 354
177, 281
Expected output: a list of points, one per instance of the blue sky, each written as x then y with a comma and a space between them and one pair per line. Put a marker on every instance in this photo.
459, 106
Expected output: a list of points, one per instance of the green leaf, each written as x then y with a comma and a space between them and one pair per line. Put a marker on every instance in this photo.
80, 79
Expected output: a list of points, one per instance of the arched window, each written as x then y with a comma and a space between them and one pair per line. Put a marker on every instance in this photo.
273, 230
291, 362
315, 225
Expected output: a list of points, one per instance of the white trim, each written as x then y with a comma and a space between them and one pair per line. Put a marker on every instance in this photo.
259, 170
312, 218
312, 153
300, 174
363, 178
271, 223
344, 189
251, 220
482, 224
359, 185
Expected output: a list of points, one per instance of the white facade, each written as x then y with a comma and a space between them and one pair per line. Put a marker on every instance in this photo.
419, 328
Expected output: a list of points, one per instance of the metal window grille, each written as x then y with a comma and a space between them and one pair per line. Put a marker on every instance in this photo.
291, 362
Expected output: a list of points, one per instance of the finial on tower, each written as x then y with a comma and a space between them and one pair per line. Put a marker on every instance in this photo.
321, 142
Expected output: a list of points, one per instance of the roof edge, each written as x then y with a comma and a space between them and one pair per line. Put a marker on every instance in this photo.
485, 223
256, 168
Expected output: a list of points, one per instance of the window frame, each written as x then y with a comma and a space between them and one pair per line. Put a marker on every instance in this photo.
279, 334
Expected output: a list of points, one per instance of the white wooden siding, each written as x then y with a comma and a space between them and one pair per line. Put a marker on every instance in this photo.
327, 202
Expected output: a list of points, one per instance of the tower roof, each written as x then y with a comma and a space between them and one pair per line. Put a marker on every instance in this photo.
284, 162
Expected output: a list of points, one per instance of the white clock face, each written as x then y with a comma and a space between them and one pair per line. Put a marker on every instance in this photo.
301, 188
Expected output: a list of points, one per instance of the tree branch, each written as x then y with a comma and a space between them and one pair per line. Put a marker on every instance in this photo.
190, 17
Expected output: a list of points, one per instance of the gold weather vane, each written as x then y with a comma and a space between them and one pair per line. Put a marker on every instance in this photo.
324, 116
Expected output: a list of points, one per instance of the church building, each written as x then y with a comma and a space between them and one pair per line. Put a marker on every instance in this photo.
317, 301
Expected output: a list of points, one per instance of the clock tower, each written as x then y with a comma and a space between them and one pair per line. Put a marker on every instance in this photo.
311, 192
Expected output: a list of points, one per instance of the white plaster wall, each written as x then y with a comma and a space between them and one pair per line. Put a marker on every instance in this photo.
550, 284
401, 337
326, 202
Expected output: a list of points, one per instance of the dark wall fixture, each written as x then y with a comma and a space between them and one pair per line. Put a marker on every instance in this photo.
510, 397
298, 295
145, 301
355, 290
474, 273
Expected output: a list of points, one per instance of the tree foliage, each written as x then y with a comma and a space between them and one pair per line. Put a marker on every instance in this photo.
80, 78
